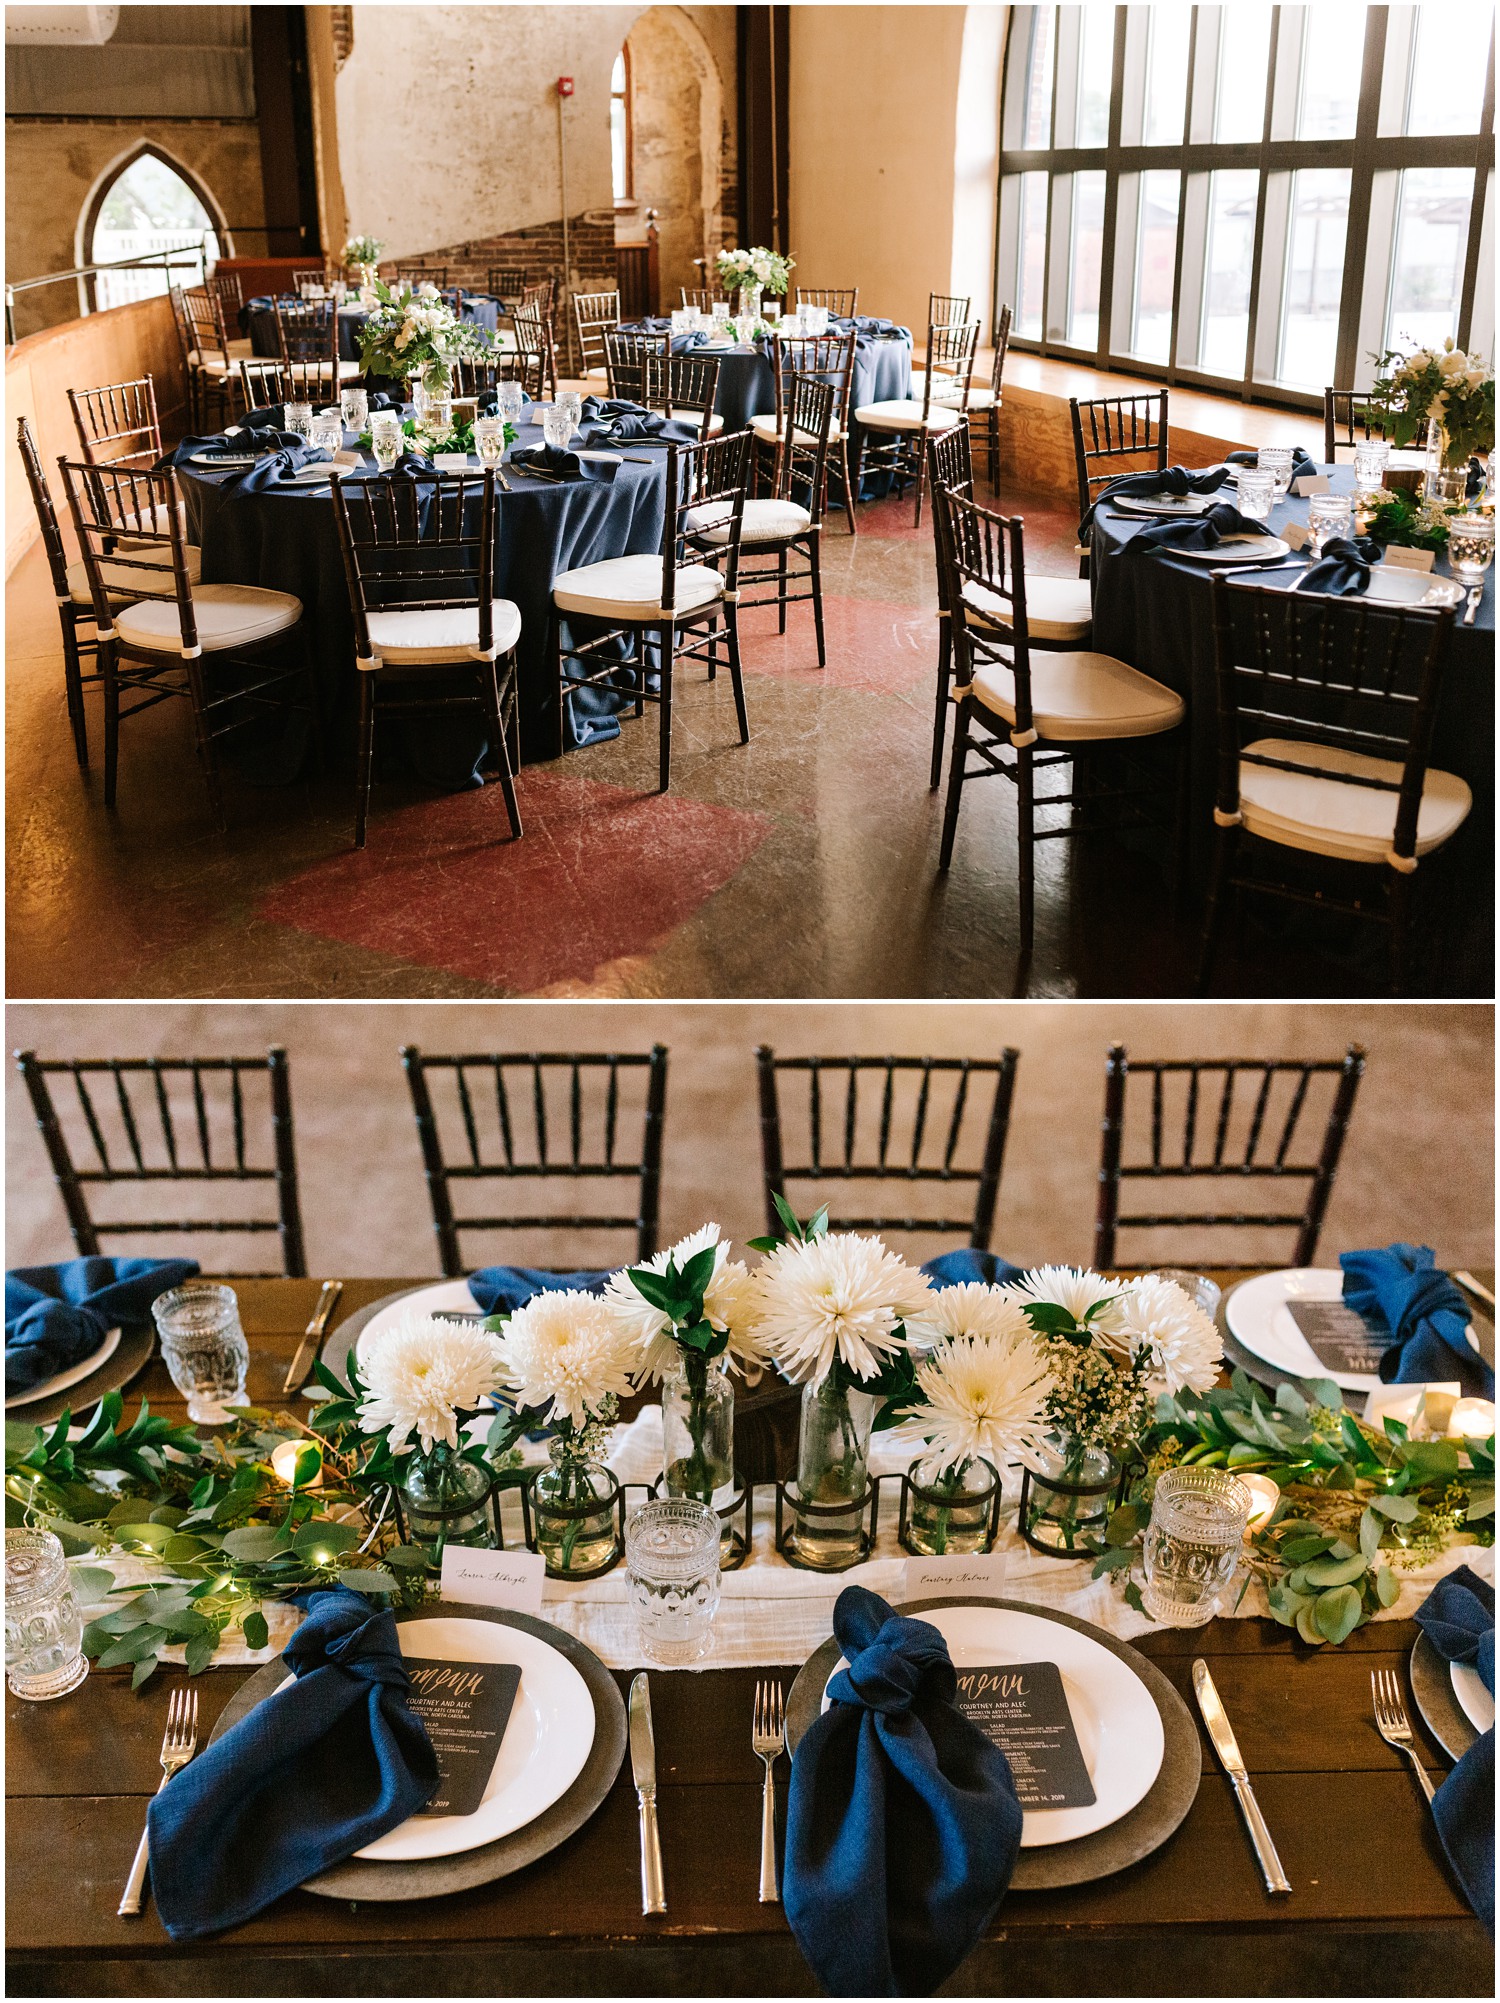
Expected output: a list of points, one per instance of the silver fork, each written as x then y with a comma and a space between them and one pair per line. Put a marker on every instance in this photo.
1393, 1724
767, 1738
178, 1744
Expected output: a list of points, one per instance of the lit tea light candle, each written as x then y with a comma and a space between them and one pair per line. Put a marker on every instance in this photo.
1264, 1496
1472, 1419
299, 1463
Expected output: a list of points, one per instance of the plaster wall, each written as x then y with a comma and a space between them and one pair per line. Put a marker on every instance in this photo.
677, 133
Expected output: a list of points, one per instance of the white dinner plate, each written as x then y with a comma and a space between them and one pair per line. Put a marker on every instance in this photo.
547, 1741
1238, 549
1476, 1703
1161, 504
1258, 1316
309, 476
1118, 1725
223, 459
64, 1378
443, 1297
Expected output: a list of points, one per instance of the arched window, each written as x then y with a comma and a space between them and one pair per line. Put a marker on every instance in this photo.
150, 205
619, 127
1246, 197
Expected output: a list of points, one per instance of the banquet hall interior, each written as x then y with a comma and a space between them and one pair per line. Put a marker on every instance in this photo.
725, 740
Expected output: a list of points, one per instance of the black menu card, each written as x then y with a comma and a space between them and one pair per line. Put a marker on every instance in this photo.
465, 1707
1338, 1337
1024, 1709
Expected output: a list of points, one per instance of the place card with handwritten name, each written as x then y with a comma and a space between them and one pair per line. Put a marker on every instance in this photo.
956, 1578
1408, 559
466, 1707
1023, 1707
510, 1579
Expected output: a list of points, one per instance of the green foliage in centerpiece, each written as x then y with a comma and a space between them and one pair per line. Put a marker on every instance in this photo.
425, 440
1442, 386
1356, 1500
1399, 517
411, 330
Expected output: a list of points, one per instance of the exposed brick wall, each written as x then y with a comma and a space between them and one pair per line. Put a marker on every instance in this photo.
539, 253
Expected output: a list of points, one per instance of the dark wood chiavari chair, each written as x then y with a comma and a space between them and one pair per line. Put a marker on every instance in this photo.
265, 383
213, 355
593, 314
947, 309
1264, 1109
635, 366
703, 298
70, 590
536, 352
1326, 709
307, 330
985, 402
132, 531
950, 468
665, 612
184, 1099
690, 386
476, 375
506, 283
842, 301
906, 423
540, 296
421, 274
419, 560
117, 422
780, 533
829, 357
1347, 422
1108, 430
934, 1146
309, 281
1021, 717
538, 1136
230, 293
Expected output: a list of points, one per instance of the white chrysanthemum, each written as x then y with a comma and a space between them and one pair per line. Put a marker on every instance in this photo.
726, 1304
972, 1309
837, 1299
421, 1373
563, 1351
986, 1397
1183, 1344
1071, 1287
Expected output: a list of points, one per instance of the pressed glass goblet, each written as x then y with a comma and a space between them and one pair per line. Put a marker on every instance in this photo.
1329, 517
1193, 1543
557, 427
1371, 458
354, 408
1257, 492
509, 400
299, 418
43, 1627
489, 440
1277, 459
570, 403
672, 1553
204, 1348
1471, 547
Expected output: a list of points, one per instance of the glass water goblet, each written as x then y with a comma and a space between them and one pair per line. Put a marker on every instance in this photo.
354, 408
1257, 487
570, 403
672, 1554
1193, 1543
1330, 517
510, 400
327, 431
719, 314
557, 426
1371, 458
204, 1348
43, 1627
489, 440
299, 418
1277, 459
1198, 1287
1471, 548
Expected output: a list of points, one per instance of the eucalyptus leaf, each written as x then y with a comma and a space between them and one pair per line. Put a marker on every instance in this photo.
91, 1582
144, 1668
255, 1543
1399, 1508
369, 1579
1387, 1586
1339, 1612
1307, 1627
1371, 1530
317, 1537
140, 1642
201, 1649
1325, 1572
255, 1629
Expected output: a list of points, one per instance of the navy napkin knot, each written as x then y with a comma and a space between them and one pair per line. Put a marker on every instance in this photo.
1400, 1289
56, 1316
1458, 1618
503, 1289
1170, 480
1205, 531
1343, 568
323, 1766
902, 1819
969, 1264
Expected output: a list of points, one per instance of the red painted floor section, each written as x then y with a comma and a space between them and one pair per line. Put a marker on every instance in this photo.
872, 644
602, 872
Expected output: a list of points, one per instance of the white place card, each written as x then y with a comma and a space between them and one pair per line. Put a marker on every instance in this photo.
1294, 534
347, 459
510, 1579
957, 1578
1312, 483
451, 462
1408, 559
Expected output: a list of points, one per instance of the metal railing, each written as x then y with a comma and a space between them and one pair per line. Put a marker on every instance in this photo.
178, 257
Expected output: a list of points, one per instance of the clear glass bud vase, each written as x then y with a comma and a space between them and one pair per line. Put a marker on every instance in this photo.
576, 1518
747, 306
833, 1466
444, 1499
1066, 1506
697, 1421
950, 1512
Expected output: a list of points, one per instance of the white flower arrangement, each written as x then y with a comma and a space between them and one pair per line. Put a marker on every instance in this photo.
410, 331
983, 1397
420, 1374
565, 1357
1441, 385
1182, 1347
757, 266
362, 250
653, 1329
837, 1302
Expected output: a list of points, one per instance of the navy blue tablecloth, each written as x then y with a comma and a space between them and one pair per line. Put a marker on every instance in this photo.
258, 320
287, 541
882, 370
1156, 612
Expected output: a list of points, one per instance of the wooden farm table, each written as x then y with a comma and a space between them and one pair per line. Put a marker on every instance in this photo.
1373, 1909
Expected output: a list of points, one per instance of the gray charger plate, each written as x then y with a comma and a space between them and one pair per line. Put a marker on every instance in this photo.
133, 1352
1126, 1842
431, 1877
1270, 1373
1432, 1686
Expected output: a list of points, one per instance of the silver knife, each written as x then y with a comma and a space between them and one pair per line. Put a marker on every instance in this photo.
1470, 1285
302, 1362
643, 1766
1227, 1747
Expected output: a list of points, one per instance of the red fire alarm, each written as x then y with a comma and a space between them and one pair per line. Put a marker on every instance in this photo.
565, 86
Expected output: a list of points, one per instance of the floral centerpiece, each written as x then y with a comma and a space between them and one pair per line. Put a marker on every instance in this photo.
685, 1314
568, 1361
1443, 387
752, 272
836, 1313
426, 436
414, 335
362, 254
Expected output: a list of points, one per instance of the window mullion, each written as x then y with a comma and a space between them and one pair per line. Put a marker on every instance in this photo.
1483, 165
1103, 346
1361, 179
1258, 259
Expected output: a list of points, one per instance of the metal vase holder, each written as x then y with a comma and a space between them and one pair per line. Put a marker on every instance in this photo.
742, 1503
1111, 1493
986, 1498
867, 1504
490, 1501
578, 1512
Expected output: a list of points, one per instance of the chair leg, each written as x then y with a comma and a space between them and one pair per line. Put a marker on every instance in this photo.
736, 678
859, 479
490, 693
110, 669
364, 756
554, 657
1398, 893
73, 688
921, 443
850, 492
955, 782
781, 589
940, 719
668, 648
992, 442
1181, 826
815, 566
1026, 846
206, 747
1213, 908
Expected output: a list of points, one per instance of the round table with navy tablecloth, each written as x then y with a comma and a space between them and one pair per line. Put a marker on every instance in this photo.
258, 319
1156, 612
287, 540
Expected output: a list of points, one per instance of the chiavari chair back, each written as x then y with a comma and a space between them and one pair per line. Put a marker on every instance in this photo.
1348, 421
307, 330
690, 384
1114, 435
117, 421
703, 298
421, 274
70, 590
636, 366
842, 301
536, 357
950, 469
266, 383
947, 309
829, 358
593, 314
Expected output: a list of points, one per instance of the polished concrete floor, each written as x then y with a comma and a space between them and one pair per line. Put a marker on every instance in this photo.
803, 864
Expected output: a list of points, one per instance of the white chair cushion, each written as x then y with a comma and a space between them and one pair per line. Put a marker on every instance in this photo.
1328, 818
596, 375
1075, 697
427, 636
228, 615
217, 365
1057, 608
902, 414
628, 588
765, 428
127, 580
159, 524
979, 398
762, 521
694, 418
